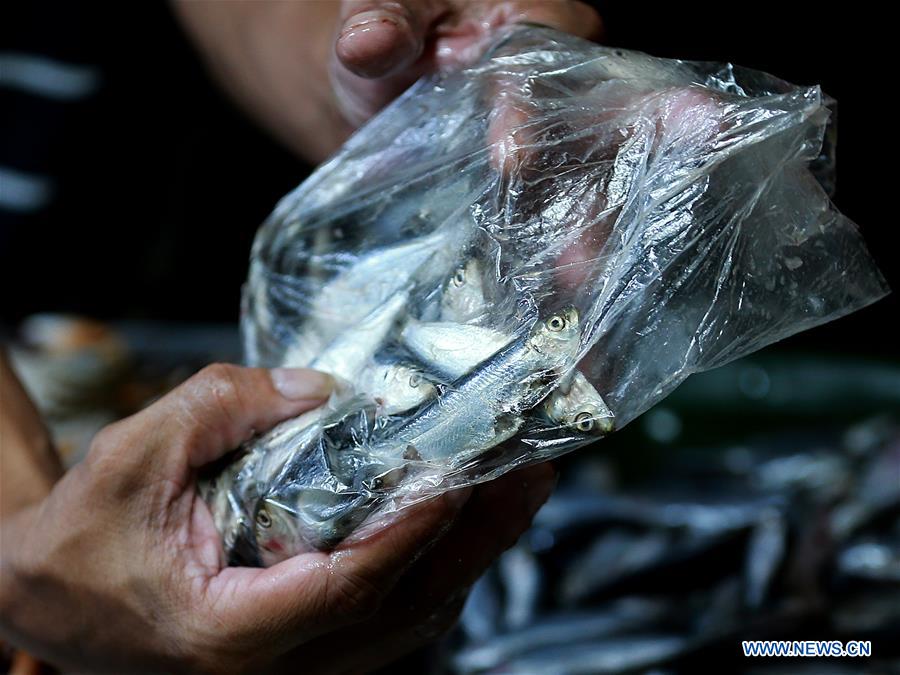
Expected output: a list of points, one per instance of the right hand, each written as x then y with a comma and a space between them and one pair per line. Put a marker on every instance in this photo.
120, 567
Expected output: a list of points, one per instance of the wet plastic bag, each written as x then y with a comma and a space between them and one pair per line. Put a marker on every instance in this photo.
513, 260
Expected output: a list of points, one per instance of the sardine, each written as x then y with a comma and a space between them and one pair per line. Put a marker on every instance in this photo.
579, 407
486, 407
463, 295
305, 505
619, 655
395, 387
451, 350
480, 411
765, 553
368, 283
522, 581
353, 349
560, 630
345, 358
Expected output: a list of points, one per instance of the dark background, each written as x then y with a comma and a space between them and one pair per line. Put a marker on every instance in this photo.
162, 182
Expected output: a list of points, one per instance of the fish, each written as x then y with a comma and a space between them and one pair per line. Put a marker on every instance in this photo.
872, 561
481, 616
522, 582
344, 353
617, 655
305, 506
451, 350
765, 553
613, 556
352, 350
560, 629
485, 407
356, 291
347, 356
395, 387
344, 359
579, 407
478, 412
285, 528
463, 295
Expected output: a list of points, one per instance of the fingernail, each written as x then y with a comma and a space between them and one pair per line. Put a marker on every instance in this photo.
302, 383
457, 497
365, 20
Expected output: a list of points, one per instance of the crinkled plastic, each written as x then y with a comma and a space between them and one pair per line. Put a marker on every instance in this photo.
515, 259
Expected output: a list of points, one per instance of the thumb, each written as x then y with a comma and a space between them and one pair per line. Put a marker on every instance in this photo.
210, 414
377, 38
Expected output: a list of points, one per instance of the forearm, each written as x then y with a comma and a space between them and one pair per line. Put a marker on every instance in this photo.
272, 58
29, 466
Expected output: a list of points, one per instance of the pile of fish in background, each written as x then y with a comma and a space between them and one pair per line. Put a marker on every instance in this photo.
515, 259
688, 538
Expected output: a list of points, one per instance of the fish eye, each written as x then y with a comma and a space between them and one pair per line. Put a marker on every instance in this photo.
459, 278
263, 519
556, 323
415, 380
584, 422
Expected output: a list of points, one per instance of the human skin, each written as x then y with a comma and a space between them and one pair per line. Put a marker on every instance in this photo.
313, 71
119, 568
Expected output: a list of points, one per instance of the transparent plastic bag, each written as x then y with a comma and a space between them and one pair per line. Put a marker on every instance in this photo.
515, 259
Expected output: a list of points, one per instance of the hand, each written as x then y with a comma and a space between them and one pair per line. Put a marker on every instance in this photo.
120, 567
383, 46
313, 71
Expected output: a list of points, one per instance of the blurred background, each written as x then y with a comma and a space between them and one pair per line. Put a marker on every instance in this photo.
162, 182
760, 500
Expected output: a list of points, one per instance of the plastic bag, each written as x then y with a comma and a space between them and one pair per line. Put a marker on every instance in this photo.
515, 259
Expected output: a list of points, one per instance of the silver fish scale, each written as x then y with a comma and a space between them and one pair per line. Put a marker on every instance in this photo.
466, 417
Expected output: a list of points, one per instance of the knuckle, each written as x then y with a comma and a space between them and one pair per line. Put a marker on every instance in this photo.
107, 458
107, 439
219, 378
216, 391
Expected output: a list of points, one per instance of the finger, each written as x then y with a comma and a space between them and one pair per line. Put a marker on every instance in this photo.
492, 521
211, 414
380, 37
428, 599
316, 593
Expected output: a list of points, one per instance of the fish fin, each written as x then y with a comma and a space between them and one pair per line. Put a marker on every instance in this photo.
505, 428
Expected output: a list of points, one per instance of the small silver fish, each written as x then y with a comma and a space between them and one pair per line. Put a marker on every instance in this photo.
354, 348
356, 291
325, 501
285, 525
580, 407
277, 533
345, 358
463, 296
395, 387
486, 407
451, 350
